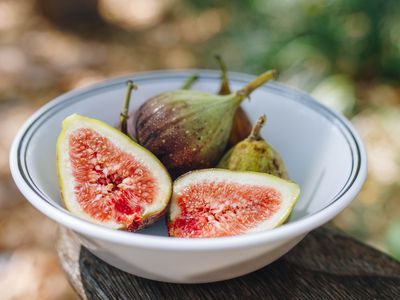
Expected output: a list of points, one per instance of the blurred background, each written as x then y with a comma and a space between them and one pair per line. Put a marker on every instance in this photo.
344, 52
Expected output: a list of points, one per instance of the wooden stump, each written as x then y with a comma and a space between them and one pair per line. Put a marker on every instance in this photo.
327, 264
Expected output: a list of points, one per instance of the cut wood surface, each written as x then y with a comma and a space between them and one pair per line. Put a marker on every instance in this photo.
327, 264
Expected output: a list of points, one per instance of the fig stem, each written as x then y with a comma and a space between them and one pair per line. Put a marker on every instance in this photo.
189, 82
256, 83
224, 88
123, 118
255, 131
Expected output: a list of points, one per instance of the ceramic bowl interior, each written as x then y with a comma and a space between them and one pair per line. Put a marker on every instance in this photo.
320, 149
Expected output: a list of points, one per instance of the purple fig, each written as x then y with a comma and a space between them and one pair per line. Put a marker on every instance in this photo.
189, 129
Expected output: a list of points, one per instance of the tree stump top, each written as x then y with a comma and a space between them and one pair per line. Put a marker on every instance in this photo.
327, 264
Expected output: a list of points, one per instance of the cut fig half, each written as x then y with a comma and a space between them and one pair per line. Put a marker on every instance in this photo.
107, 178
217, 203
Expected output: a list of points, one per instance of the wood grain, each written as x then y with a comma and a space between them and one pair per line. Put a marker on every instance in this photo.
327, 264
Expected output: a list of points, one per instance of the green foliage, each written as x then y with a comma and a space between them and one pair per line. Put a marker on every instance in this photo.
359, 38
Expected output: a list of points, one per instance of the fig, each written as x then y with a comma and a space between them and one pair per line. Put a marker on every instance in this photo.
188, 129
107, 178
254, 154
241, 126
217, 203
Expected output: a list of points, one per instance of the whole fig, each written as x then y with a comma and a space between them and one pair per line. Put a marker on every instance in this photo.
188, 129
254, 154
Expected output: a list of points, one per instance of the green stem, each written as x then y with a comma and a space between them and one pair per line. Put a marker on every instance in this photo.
123, 119
189, 82
224, 88
256, 83
255, 131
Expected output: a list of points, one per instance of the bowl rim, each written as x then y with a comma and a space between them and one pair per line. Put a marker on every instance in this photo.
282, 233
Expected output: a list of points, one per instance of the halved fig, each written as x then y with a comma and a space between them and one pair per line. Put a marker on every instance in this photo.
217, 203
107, 178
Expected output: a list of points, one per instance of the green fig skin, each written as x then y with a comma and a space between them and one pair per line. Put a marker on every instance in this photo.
254, 154
188, 129
185, 129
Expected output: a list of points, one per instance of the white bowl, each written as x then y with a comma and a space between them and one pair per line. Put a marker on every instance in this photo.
321, 149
